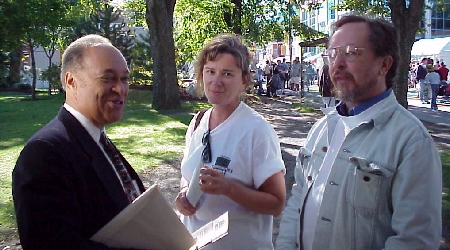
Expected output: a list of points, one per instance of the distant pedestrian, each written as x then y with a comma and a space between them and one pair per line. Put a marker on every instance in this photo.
286, 70
310, 72
295, 75
275, 84
434, 80
421, 72
268, 71
326, 87
281, 71
444, 72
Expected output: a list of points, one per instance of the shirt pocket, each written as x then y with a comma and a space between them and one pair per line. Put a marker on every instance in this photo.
302, 162
368, 186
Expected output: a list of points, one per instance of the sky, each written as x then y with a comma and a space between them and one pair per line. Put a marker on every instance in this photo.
117, 2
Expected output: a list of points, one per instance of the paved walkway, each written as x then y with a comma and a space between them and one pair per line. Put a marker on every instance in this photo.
423, 111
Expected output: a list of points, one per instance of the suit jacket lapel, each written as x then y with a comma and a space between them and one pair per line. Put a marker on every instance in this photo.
99, 162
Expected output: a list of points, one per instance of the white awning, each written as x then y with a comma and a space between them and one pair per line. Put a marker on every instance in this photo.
431, 47
313, 59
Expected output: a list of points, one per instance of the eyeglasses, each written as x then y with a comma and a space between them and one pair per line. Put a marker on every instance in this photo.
206, 154
348, 52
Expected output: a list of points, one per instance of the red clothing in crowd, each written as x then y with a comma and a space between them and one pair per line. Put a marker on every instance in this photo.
444, 72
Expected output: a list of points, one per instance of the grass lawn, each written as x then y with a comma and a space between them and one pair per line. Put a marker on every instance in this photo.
145, 137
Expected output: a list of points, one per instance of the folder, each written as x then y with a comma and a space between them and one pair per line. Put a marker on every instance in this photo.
148, 222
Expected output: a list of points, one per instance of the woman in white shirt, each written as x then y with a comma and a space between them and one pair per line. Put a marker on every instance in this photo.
236, 151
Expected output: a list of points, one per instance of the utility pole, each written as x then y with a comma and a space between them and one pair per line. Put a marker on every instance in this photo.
290, 30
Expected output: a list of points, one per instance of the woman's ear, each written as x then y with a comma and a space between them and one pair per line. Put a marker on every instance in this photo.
245, 82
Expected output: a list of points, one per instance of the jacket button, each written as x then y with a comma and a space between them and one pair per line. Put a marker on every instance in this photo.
366, 178
333, 183
324, 149
309, 178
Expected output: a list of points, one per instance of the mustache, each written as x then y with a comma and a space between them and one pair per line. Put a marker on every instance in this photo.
341, 73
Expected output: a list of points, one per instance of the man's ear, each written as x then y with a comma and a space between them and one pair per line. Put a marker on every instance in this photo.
70, 80
386, 65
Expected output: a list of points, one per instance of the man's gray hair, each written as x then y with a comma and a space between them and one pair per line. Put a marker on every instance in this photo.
74, 54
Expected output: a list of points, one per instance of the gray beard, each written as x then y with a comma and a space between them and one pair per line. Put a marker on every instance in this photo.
360, 94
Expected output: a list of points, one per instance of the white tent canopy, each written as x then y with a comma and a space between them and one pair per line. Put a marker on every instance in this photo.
312, 59
436, 48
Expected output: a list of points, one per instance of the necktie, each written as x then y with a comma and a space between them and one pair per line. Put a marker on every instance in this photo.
113, 154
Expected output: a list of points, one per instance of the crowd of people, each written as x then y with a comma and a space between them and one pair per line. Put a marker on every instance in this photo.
281, 75
431, 78
368, 176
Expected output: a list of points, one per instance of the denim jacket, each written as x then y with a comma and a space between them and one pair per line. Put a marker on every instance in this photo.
384, 190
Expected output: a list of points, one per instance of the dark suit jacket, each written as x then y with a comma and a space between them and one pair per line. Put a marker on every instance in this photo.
64, 188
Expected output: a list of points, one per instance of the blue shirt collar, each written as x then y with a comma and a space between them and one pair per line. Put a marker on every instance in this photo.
342, 109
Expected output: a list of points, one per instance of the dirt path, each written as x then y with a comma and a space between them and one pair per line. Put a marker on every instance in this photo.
292, 128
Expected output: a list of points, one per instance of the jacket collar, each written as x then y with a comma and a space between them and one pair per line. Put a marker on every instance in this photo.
99, 162
385, 107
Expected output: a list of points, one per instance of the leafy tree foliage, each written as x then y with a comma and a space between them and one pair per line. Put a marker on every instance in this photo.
4, 66
52, 75
39, 18
135, 11
29, 22
141, 65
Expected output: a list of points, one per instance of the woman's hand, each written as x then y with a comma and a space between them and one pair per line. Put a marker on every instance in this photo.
183, 205
212, 181
269, 198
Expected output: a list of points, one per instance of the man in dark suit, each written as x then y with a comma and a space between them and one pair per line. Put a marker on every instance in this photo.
66, 184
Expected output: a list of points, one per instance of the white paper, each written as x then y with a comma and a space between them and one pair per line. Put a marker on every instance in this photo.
147, 223
194, 192
211, 232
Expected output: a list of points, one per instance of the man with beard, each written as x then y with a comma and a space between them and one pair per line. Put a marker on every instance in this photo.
369, 175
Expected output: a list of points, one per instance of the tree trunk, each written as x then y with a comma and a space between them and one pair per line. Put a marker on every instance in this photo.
33, 69
233, 17
159, 17
406, 22
49, 57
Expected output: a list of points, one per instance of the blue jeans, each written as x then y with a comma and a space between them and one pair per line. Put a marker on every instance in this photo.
424, 85
434, 91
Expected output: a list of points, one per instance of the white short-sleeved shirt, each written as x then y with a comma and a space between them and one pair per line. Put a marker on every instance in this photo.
246, 148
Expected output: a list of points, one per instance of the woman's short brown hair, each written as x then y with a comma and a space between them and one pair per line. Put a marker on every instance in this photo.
223, 44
